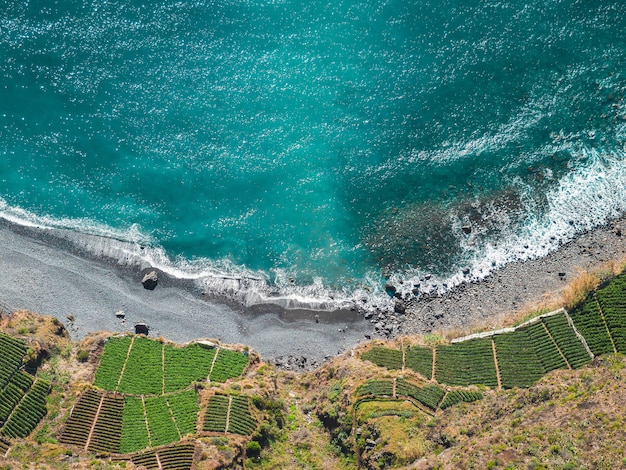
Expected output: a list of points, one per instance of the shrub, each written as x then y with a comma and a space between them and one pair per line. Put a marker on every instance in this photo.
82, 356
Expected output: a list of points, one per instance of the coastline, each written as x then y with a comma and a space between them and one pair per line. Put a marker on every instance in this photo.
42, 272
516, 287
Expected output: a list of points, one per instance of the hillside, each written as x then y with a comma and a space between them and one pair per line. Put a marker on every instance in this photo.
544, 394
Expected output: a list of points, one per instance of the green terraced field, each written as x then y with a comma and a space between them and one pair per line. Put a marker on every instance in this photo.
466, 363
518, 362
384, 357
420, 360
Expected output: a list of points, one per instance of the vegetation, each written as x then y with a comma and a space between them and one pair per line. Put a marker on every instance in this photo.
521, 399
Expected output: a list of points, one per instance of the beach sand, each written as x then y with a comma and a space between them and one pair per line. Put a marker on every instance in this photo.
40, 272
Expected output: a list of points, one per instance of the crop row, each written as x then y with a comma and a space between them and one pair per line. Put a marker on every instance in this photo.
30, 410
13, 392
228, 364
517, 360
216, 413
376, 387
179, 457
81, 419
420, 360
13, 352
384, 357
458, 396
567, 341
157, 420
466, 363
546, 350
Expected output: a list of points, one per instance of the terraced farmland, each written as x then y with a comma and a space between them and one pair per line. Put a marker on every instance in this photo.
458, 396
229, 413
141, 366
589, 322
22, 397
157, 420
376, 388
420, 360
28, 412
612, 301
466, 363
517, 360
228, 364
565, 338
547, 352
384, 357
179, 457
95, 423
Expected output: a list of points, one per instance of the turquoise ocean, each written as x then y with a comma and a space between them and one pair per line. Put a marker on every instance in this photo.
311, 151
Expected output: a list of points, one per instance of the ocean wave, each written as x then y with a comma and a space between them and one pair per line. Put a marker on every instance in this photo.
586, 197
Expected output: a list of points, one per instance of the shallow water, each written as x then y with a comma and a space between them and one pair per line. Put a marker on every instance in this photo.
307, 150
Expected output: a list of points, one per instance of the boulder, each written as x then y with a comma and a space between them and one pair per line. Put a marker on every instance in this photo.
467, 229
150, 280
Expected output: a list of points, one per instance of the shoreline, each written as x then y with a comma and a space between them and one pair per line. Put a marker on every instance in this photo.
45, 273
516, 287
42, 272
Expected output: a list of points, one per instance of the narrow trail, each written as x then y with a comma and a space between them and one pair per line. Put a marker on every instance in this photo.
556, 345
495, 362
95, 420
145, 418
432, 373
230, 402
606, 325
130, 347
217, 351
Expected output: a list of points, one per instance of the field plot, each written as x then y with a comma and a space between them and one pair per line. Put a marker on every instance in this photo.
13, 352
163, 430
216, 413
107, 432
240, 420
112, 362
612, 300
376, 387
229, 413
590, 323
13, 392
143, 373
134, 426
157, 420
29, 411
466, 363
420, 360
518, 362
184, 407
178, 457
228, 364
548, 353
458, 396
80, 421
384, 357
184, 366
429, 396
567, 341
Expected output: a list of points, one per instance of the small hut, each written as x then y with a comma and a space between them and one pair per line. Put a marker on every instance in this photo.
141, 329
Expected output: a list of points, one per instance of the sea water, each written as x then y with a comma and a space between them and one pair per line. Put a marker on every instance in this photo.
312, 151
